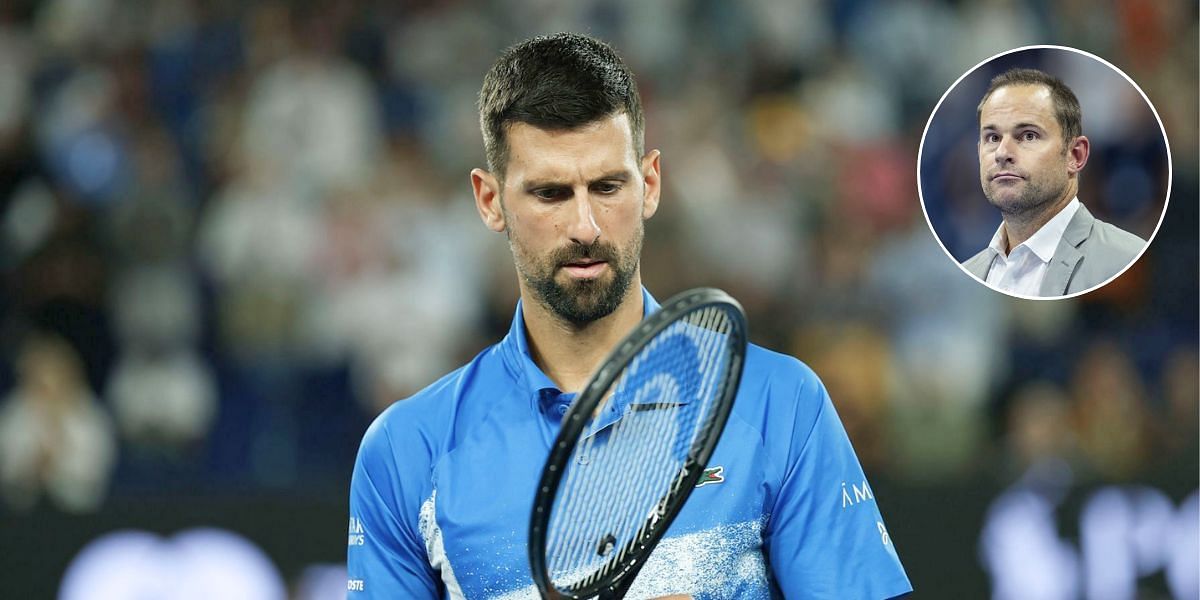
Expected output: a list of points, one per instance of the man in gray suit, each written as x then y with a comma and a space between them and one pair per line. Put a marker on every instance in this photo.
1031, 150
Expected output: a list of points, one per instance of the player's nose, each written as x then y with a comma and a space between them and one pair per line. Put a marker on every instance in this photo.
582, 227
1005, 150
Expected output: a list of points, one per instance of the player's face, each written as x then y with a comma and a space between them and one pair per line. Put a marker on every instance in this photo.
573, 204
1023, 163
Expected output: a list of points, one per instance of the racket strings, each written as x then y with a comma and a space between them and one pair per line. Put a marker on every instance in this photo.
642, 486
575, 549
645, 428
618, 433
706, 355
618, 475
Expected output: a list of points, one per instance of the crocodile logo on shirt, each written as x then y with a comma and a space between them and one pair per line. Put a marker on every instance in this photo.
712, 475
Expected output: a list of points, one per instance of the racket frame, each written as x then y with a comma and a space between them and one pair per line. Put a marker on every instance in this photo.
581, 410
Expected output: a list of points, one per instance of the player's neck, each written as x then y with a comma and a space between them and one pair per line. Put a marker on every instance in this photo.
1019, 227
568, 353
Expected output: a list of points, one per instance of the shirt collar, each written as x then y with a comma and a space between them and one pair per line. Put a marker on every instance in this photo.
515, 349
1044, 241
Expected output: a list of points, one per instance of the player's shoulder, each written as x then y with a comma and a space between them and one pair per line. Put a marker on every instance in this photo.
781, 371
429, 404
1122, 244
778, 387
782, 398
423, 422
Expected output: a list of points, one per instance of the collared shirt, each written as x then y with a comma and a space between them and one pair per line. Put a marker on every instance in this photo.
444, 484
1022, 270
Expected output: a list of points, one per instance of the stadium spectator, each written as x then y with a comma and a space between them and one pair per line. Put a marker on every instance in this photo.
56, 442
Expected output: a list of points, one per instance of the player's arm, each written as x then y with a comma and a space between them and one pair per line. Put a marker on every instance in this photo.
825, 536
386, 554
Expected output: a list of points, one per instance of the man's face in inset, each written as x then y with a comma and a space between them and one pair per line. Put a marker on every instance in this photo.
1023, 160
573, 203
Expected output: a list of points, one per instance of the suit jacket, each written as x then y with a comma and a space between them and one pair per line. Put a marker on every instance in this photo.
1089, 253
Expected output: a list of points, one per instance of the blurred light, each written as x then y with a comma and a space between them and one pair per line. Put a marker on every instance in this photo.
322, 582
1126, 533
1183, 565
194, 564
1022, 552
92, 162
30, 217
1109, 561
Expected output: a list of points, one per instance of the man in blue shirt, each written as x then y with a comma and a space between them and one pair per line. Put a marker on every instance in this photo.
444, 481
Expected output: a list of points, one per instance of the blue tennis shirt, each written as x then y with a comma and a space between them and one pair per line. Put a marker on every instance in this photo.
444, 484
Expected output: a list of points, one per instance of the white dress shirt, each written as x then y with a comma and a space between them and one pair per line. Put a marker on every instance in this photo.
1022, 270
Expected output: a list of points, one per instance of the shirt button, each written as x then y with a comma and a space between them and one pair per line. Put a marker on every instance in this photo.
562, 409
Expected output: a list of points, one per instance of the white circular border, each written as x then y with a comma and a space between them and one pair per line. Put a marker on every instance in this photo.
1166, 143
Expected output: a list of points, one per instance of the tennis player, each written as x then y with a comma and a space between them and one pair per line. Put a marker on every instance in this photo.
444, 481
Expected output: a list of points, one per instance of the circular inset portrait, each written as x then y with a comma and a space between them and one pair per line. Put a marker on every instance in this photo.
1044, 172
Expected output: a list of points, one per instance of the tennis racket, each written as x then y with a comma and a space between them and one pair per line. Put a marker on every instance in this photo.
634, 444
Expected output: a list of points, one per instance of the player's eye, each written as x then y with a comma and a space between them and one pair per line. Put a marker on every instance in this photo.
1029, 136
991, 138
606, 187
549, 194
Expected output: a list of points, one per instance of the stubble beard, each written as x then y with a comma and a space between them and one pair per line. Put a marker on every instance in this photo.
579, 301
1035, 198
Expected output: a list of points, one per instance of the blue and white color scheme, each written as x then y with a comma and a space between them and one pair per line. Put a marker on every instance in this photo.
444, 483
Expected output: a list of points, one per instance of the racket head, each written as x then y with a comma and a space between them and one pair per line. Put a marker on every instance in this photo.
699, 332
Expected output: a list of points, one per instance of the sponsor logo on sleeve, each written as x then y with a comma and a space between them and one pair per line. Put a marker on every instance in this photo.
883, 534
354, 585
356, 535
855, 494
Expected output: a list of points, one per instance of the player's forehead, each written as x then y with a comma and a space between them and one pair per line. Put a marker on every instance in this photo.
588, 151
1013, 105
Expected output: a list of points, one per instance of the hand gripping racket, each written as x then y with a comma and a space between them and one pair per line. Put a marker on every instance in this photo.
633, 446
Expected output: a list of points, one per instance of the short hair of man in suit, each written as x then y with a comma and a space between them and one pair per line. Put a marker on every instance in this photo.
1031, 151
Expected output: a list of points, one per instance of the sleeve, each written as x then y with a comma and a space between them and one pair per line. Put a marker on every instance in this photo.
386, 555
825, 535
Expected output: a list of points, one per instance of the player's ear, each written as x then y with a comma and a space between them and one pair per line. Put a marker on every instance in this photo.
652, 178
487, 199
1077, 154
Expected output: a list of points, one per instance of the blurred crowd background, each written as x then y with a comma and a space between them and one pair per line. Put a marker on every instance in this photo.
233, 232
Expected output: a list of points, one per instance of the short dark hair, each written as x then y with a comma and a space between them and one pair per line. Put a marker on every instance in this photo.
1066, 105
559, 81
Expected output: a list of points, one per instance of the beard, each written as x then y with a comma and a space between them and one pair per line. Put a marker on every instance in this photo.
1034, 196
579, 301
1040, 190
